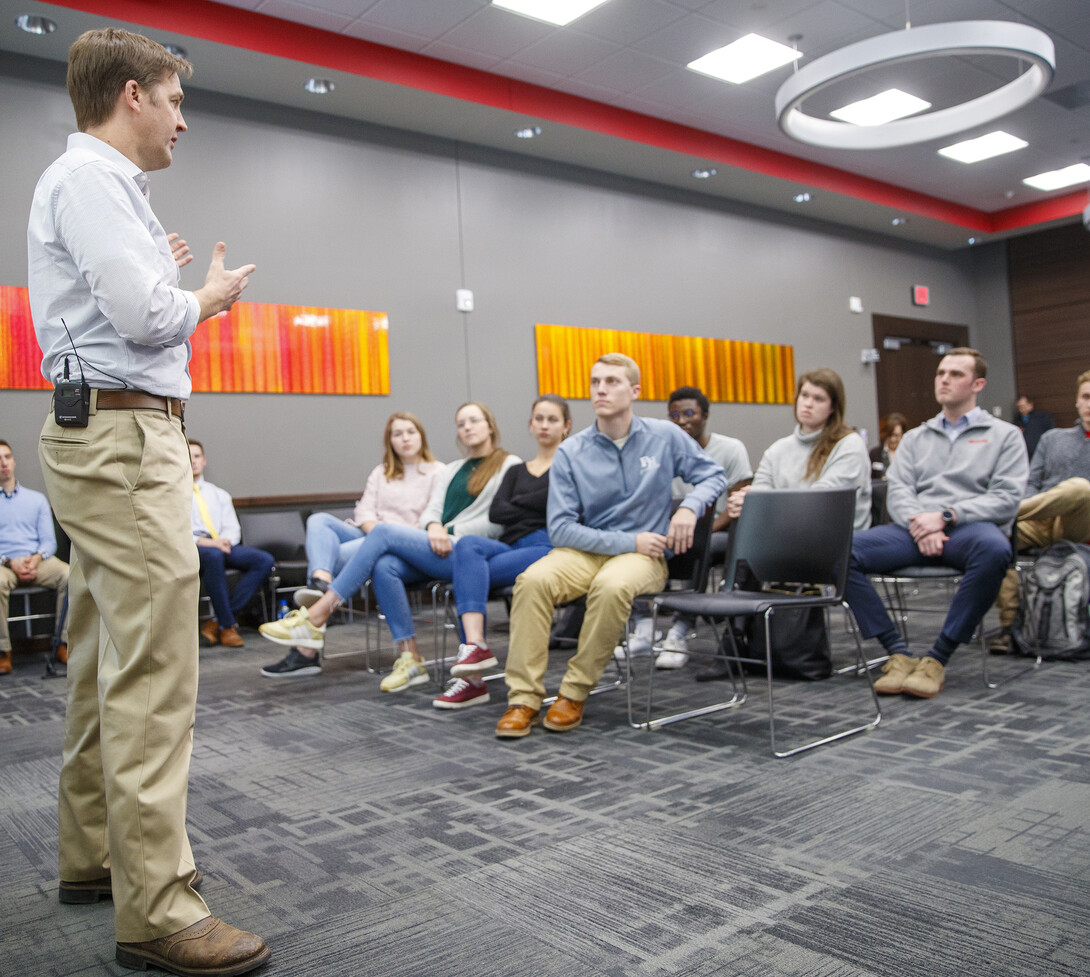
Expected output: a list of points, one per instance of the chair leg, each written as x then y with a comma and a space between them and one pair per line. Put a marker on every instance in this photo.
860, 666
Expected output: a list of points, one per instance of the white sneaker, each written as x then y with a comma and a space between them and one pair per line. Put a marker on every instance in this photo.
639, 640
675, 652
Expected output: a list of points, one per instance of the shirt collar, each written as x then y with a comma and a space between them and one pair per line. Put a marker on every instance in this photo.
11, 494
82, 140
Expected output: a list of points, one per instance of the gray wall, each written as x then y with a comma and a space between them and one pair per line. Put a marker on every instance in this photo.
347, 215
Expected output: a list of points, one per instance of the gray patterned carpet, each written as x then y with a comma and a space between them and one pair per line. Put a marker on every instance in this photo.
370, 834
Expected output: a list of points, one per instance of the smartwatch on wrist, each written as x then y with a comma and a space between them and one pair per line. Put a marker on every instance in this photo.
949, 517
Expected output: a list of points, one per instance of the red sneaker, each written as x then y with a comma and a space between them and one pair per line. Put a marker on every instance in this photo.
462, 693
473, 659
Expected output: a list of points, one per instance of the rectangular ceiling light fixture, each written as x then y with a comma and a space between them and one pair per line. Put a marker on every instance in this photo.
1055, 179
983, 147
559, 12
746, 58
881, 108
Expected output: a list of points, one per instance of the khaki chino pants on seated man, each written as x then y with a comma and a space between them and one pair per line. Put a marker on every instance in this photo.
121, 488
52, 573
610, 583
1061, 512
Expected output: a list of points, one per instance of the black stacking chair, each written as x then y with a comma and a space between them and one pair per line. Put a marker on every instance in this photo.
797, 537
282, 534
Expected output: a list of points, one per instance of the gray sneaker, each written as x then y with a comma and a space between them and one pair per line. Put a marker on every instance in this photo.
293, 665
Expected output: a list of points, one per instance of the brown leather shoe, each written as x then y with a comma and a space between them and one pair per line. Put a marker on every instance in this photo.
84, 893
564, 714
5, 662
62, 653
230, 638
207, 947
210, 633
517, 721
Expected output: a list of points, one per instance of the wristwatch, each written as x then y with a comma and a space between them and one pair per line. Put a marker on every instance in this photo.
949, 517
5, 562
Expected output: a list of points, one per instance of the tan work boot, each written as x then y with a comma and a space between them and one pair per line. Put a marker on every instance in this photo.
210, 946
927, 680
894, 673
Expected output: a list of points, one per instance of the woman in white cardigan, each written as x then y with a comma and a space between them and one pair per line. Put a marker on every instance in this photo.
392, 556
822, 452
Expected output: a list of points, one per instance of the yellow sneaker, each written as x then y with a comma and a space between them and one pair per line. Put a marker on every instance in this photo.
295, 631
407, 673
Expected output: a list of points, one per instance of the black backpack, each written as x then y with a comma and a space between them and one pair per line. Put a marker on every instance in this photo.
1053, 620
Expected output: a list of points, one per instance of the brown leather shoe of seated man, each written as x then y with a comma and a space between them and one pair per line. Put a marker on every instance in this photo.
62, 653
207, 947
5, 662
210, 633
564, 714
517, 721
230, 638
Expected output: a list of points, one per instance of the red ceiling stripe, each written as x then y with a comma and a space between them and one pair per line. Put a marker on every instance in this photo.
269, 35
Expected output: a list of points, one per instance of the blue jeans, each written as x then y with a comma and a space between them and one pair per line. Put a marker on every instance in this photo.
255, 565
481, 564
978, 549
330, 543
391, 556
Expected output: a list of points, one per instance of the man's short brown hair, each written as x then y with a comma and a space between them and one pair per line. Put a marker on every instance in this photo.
196, 444
980, 365
631, 367
1083, 378
100, 62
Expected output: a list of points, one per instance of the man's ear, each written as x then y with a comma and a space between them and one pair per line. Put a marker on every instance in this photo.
636, 391
979, 384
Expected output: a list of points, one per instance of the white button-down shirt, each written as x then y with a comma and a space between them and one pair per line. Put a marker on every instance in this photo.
220, 508
99, 258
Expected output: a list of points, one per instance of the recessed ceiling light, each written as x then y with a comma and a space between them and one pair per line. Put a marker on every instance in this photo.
802, 198
898, 221
1055, 179
746, 58
983, 147
33, 24
704, 174
559, 12
881, 108
319, 86
177, 50
529, 132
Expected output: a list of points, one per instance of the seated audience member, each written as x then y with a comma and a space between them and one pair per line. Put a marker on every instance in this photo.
1057, 503
822, 452
28, 548
609, 519
481, 563
891, 429
397, 491
1032, 423
688, 409
217, 533
391, 556
954, 489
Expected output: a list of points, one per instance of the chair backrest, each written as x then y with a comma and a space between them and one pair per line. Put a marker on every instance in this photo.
691, 567
793, 536
281, 533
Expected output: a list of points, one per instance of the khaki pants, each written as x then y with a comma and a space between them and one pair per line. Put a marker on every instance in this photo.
121, 488
1063, 512
51, 573
611, 583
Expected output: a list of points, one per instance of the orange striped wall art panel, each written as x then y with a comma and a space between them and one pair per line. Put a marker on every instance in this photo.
727, 370
256, 347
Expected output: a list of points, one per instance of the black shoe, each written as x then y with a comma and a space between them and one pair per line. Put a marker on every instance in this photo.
717, 670
294, 665
318, 584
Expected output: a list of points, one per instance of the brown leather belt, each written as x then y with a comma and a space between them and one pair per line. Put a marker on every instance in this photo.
138, 400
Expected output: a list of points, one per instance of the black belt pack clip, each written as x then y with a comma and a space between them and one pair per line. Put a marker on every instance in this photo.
71, 403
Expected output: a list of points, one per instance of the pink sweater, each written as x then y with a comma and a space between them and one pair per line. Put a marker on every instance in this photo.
401, 500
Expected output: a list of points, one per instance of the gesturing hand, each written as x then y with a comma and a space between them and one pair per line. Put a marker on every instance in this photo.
222, 286
180, 250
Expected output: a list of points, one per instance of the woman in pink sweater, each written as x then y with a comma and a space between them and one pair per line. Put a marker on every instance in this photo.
397, 491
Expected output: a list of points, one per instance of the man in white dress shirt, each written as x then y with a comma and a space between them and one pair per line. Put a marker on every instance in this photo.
108, 311
218, 535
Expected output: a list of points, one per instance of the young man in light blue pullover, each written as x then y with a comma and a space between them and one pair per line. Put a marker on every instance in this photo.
609, 519
954, 489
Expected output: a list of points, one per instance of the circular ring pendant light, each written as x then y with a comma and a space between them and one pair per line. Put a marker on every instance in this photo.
964, 37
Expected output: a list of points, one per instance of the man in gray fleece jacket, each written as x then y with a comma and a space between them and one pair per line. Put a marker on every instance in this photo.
954, 489
1057, 503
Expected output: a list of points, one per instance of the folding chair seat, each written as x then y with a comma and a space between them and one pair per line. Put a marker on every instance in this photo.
797, 537
283, 535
